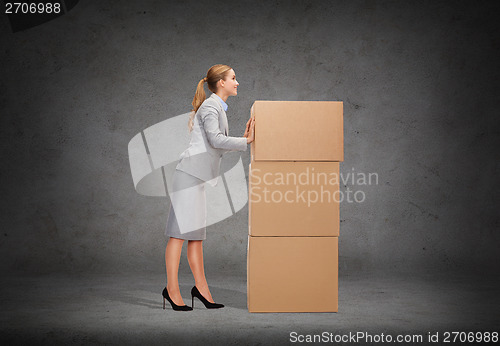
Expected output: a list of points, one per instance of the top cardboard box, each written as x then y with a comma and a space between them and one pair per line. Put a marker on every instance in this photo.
298, 131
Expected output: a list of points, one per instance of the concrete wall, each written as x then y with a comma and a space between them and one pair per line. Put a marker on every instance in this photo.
419, 81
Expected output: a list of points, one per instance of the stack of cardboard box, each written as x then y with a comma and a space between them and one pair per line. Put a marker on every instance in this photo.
292, 255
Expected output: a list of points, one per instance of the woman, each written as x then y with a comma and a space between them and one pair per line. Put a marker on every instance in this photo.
198, 164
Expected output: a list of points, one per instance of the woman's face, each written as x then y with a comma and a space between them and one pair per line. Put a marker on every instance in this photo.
229, 85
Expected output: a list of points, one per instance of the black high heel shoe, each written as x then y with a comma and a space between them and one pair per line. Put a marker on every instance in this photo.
174, 306
208, 305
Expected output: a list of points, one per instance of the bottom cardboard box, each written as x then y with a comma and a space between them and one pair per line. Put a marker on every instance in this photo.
292, 274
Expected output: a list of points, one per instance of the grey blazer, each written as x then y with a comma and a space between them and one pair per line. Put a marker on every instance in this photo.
209, 141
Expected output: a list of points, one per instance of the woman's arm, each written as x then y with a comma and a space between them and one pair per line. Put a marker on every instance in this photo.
210, 122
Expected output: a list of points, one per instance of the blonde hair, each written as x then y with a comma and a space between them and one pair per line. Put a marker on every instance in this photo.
214, 74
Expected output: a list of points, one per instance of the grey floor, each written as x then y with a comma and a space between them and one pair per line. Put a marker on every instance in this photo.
126, 309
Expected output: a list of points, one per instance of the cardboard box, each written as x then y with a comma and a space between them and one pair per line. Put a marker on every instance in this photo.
288, 198
298, 131
292, 274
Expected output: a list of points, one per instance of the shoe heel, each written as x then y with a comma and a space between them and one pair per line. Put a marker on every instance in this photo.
174, 306
208, 305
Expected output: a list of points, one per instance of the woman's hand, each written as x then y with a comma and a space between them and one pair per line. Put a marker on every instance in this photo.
249, 132
247, 127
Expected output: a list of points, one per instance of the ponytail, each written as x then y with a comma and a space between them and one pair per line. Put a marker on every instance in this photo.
198, 99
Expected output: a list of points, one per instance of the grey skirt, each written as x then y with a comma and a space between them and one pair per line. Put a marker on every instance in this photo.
187, 217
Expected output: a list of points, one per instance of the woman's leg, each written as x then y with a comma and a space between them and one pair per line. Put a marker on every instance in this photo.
172, 259
195, 259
